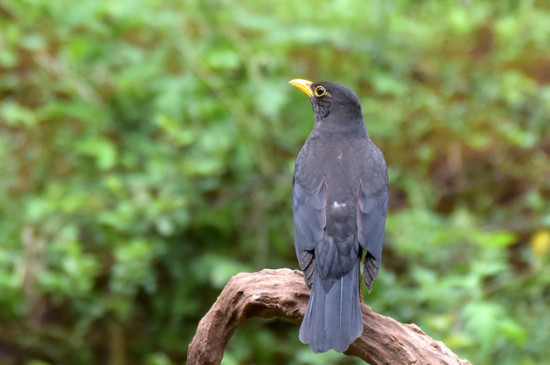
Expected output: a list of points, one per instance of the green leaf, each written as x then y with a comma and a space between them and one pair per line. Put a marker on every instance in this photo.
483, 321
495, 239
102, 149
514, 331
15, 114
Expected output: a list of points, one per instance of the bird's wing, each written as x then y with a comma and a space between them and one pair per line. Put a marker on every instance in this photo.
371, 214
309, 204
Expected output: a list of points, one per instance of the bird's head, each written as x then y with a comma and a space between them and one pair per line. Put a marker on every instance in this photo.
332, 103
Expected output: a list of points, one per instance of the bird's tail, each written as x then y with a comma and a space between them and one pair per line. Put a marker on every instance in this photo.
333, 318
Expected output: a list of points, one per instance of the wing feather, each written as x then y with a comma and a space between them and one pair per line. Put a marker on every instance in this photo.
371, 216
309, 223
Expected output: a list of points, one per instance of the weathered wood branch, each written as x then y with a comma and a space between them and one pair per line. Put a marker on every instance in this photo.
282, 293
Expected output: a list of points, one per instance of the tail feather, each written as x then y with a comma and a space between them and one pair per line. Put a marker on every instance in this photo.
333, 319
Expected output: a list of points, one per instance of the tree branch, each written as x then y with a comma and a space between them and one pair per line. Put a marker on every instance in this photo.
282, 293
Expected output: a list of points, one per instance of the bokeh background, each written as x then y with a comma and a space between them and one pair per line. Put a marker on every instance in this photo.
147, 150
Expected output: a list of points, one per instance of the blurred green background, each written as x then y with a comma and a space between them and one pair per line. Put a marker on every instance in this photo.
147, 150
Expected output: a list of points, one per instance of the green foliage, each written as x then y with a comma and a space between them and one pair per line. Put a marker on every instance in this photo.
147, 150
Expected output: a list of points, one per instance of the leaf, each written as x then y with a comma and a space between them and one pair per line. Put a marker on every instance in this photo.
33, 42
495, 239
483, 321
15, 114
102, 149
514, 331
218, 269
224, 58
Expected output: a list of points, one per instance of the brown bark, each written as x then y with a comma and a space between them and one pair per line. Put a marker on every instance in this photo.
282, 293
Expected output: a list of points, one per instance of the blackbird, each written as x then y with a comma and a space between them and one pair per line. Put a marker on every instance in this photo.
340, 198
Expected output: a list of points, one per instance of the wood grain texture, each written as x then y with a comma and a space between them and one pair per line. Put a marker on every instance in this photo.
282, 293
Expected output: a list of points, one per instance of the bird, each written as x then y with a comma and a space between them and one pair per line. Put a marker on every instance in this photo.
339, 200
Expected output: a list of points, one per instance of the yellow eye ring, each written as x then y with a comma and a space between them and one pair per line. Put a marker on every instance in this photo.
320, 91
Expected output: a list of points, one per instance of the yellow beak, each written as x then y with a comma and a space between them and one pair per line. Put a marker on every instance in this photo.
303, 85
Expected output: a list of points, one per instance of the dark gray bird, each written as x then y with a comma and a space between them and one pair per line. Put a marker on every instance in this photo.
340, 198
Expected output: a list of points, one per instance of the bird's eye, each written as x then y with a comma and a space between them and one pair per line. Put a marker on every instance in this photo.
320, 91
